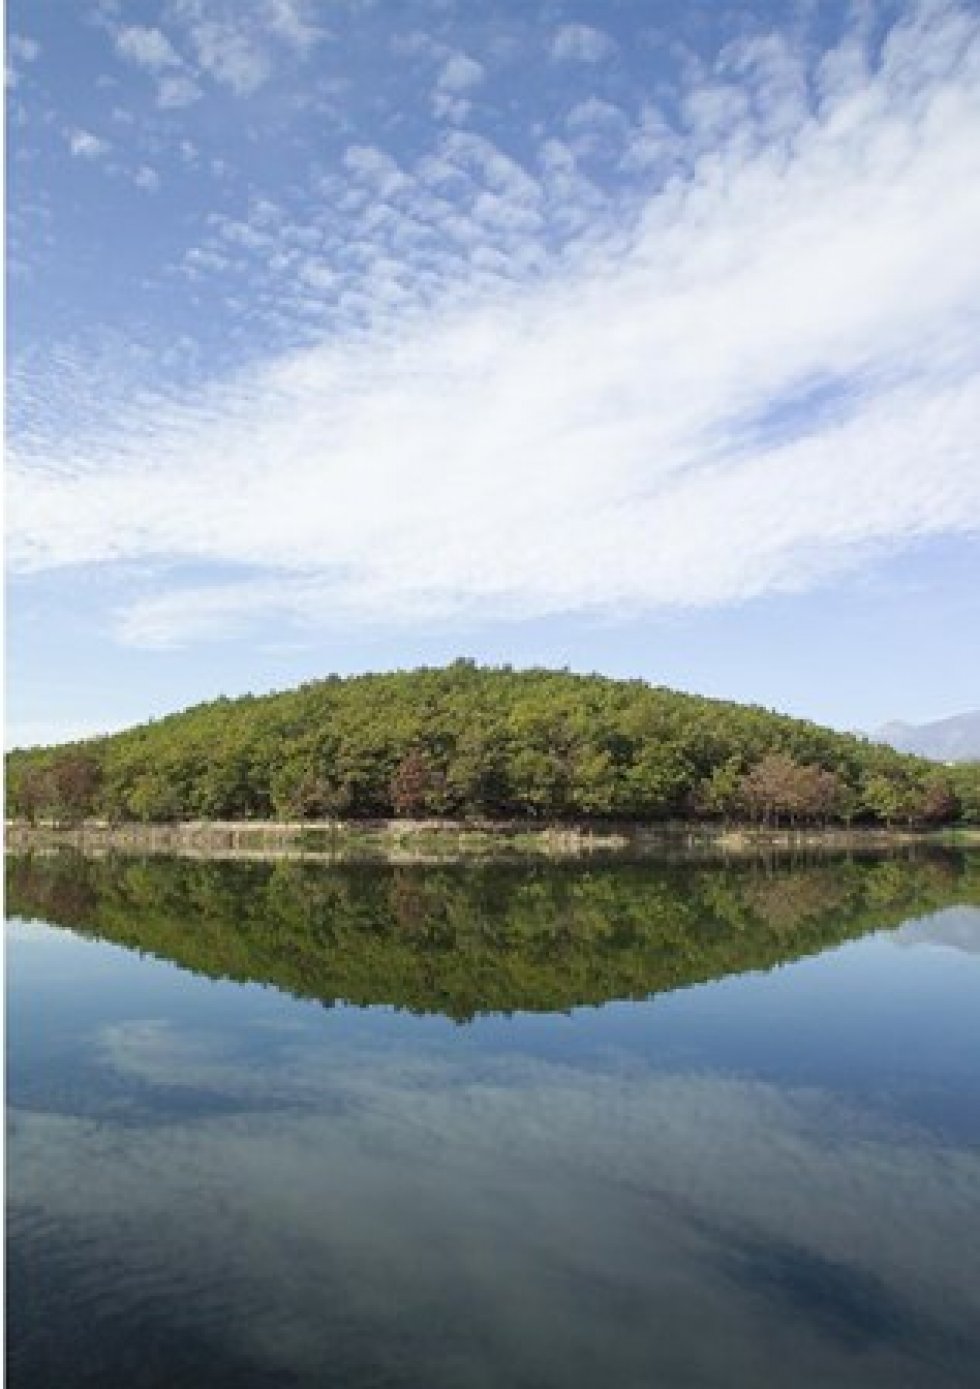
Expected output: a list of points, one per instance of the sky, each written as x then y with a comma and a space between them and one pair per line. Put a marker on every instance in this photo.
633, 336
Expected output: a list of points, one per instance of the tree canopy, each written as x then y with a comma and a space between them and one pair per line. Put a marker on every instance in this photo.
464, 741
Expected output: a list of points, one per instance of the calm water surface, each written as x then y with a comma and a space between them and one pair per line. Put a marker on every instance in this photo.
622, 1126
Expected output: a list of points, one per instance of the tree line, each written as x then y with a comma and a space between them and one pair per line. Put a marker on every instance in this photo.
464, 741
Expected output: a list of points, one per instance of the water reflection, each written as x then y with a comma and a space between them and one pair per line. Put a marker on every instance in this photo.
216, 1185
468, 940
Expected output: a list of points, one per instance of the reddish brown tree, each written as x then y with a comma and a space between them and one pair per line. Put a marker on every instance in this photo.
938, 803
768, 789
778, 787
412, 784
817, 793
75, 778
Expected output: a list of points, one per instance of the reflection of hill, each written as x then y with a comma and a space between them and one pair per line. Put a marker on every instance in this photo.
462, 940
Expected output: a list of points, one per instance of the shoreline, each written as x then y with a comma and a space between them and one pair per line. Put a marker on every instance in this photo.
421, 841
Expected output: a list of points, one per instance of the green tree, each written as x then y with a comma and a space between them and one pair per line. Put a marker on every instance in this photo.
154, 798
28, 790
719, 794
885, 798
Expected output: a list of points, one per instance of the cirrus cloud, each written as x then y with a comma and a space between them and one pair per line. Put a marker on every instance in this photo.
761, 374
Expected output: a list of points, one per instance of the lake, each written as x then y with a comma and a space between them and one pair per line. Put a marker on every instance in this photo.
670, 1123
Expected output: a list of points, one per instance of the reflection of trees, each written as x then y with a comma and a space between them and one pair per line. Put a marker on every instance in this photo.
468, 939
68, 897
787, 899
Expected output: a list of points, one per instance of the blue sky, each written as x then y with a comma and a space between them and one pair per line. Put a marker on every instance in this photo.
638, 337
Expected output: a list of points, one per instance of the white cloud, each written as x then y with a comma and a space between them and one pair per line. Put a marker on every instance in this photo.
149, 48
146, 178
291, 21
653, 144
26, 49
446, 107
176, 90
494, 428
460, 74
238, 46
317, 275
84, 145
230, 57
377, 168
581, 43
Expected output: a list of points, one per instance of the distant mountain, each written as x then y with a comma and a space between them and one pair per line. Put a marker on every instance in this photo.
956, 739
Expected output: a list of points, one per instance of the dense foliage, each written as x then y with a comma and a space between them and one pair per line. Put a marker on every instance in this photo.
464, 939
465, 741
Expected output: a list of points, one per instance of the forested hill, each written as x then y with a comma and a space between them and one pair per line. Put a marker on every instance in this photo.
467, 741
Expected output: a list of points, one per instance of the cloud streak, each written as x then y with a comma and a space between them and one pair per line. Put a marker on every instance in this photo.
534, 401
